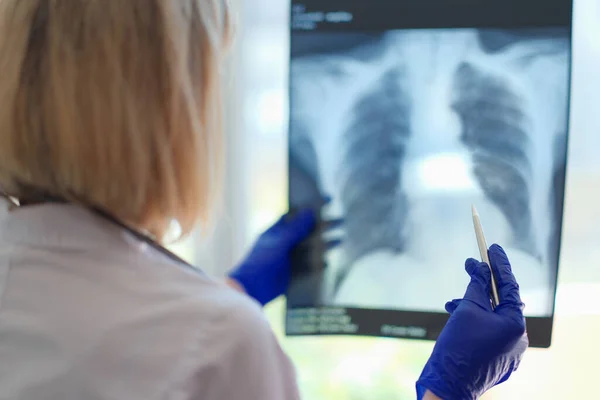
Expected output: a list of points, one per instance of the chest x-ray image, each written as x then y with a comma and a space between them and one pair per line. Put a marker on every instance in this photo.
405, 131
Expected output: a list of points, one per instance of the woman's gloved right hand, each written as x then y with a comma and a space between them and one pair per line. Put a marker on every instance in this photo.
479, 347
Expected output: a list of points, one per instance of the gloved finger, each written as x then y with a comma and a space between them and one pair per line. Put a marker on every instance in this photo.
478, 290
508, 288
451, 306
471, 265
515, 311
506, 376
332, 244
297, 226
333, 223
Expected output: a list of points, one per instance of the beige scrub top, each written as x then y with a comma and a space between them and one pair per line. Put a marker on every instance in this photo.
89, 312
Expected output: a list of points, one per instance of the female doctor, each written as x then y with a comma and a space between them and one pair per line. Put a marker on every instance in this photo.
110, 130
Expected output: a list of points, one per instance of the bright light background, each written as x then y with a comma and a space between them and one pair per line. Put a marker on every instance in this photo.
345, 368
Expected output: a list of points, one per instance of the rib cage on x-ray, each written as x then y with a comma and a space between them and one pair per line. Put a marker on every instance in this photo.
360, 159
376, 135
494, 129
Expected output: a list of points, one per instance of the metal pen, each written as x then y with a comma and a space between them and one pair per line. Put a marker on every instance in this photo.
483, 251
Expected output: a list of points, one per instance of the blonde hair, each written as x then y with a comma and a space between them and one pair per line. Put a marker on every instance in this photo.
114, 104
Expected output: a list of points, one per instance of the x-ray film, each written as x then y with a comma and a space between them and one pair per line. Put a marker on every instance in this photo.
403, 114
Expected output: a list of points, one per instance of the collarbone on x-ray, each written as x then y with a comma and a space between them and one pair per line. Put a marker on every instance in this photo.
406, 133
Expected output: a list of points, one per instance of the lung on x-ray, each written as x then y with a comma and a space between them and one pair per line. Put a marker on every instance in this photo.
403, 131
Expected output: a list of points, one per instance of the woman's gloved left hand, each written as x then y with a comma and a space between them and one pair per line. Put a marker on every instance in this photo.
479, 347
265, 273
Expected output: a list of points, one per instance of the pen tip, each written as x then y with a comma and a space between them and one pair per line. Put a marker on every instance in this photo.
473, 209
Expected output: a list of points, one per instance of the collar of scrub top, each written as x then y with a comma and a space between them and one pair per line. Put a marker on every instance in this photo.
47, 199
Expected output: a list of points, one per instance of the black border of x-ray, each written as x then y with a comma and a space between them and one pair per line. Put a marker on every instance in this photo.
371, 321
539, 329
380, 15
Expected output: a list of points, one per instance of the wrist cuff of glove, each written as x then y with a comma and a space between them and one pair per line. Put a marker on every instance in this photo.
250, 288
239, 281
421, 390
441, 391
236, 284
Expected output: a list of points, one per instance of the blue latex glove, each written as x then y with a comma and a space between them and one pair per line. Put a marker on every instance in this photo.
265, 273
479, 347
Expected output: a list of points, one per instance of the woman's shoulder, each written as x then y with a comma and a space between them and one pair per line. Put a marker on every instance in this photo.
234, 352
205, 303
237, 355
225, 345
194, 292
